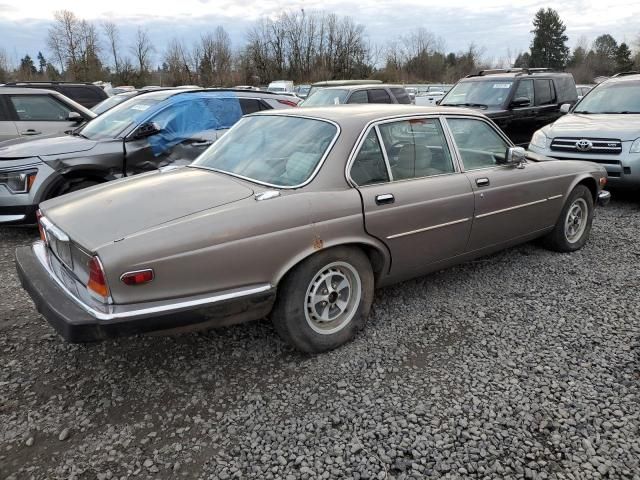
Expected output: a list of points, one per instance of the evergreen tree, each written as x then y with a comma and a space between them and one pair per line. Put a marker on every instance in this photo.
605, 50
42, 63
523, 60
549, 46
27, 68
624, 62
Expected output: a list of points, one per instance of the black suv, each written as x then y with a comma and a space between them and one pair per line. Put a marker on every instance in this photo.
86, 94
519, 100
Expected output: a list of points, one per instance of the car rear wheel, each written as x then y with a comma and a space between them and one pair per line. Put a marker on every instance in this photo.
325, 300
574, 225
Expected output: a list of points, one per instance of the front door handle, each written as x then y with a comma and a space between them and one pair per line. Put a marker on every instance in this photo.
482, 182
385, 199
31, 131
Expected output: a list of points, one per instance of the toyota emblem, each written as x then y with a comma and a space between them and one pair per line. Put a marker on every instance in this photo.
584, 145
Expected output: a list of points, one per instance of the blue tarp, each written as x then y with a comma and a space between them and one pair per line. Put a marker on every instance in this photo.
186, 115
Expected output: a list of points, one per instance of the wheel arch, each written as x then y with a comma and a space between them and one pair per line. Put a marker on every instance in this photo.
589, 182
57, 187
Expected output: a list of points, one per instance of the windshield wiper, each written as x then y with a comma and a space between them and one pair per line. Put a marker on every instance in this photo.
478, 105
585, 112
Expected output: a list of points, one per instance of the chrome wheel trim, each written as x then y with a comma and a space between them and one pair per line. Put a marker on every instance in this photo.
575, 223
332, 298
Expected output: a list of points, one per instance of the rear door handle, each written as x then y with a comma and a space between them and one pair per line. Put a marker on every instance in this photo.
482, 182
30, 132
385, 199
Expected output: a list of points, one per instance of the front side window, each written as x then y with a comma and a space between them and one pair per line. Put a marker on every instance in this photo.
479, 144
39, 108
263, 149
416, 148
359, 96
369, 167
525, 90
479, 93
326, 96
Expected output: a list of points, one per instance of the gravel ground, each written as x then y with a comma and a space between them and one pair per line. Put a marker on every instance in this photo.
525, 364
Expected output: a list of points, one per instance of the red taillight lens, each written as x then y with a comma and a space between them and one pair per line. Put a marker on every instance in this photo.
288, 102
137, 278
43, 236
603, 181
97, 281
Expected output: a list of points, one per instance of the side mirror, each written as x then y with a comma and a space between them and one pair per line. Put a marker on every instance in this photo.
515, 156
146, 130
521, 102
75, 117
565, 108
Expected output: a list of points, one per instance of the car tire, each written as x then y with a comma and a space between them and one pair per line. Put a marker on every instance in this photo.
572, 230
342, 278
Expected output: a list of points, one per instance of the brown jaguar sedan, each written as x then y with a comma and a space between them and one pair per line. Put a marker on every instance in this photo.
299, 215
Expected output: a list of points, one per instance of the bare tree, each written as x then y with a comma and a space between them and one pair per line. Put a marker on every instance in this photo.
110, 30
142, 50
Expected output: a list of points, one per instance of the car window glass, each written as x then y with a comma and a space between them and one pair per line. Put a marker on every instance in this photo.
544, 92
359, 96
401, 95
416, 148
39, 108
3, 113
525, 90
479, 92
479, 144
249, 105
369, 166
379, 95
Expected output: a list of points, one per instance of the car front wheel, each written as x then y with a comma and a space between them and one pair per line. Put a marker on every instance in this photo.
325, 300
574, 225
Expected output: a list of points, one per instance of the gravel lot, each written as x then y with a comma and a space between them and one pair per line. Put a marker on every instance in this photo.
525, 364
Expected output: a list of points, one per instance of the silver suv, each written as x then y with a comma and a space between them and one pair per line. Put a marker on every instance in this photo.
604, 127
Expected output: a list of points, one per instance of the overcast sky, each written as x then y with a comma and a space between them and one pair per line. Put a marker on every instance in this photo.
495, 25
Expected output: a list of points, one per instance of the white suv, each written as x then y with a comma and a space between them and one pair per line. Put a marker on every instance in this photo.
604, 127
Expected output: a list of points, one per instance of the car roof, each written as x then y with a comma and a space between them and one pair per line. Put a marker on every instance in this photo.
237, 92
25, 90
627, 77
364, 113
335, 83
358, 87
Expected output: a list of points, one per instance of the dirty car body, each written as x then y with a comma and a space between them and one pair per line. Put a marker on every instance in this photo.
365, 195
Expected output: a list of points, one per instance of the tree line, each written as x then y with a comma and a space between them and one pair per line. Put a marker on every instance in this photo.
299, 46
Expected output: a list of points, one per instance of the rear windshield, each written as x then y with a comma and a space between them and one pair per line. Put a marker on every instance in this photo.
326, 96
262, 149
483, 93
622, 97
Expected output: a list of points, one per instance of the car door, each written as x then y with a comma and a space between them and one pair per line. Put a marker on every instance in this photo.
187, 127
524, 119
39, 114
8, 128
414, 198
510, 201
546, 104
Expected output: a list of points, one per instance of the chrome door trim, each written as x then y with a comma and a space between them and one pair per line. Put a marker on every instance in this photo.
555, 197
515, 207
426, 229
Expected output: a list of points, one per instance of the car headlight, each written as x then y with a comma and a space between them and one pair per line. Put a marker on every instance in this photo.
539, 140
18, 181
635, 146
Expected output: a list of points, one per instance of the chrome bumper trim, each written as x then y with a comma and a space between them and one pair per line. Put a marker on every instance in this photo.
11, 218
604, 197
148, 309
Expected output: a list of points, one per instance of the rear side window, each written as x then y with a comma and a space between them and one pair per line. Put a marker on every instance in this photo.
83, 95
369, 167
545, 94
379, 95
39, 108
359, 96
250, 105
401, 95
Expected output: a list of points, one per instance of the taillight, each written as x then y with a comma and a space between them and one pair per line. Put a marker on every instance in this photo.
603, 181
137, 278
97, 280
288, 102
43, 235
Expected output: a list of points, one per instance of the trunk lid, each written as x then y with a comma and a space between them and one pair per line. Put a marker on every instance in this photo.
109, 212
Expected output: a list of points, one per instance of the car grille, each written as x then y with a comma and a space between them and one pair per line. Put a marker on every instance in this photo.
591, 145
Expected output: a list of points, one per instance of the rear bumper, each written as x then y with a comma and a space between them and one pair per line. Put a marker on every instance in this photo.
77, 322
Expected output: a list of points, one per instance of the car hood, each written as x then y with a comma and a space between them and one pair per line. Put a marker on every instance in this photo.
42, 146
100, 215
621, 127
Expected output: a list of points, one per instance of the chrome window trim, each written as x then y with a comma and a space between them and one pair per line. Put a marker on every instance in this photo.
375, 123
383, 149
137, 310
426, 229
272, 113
